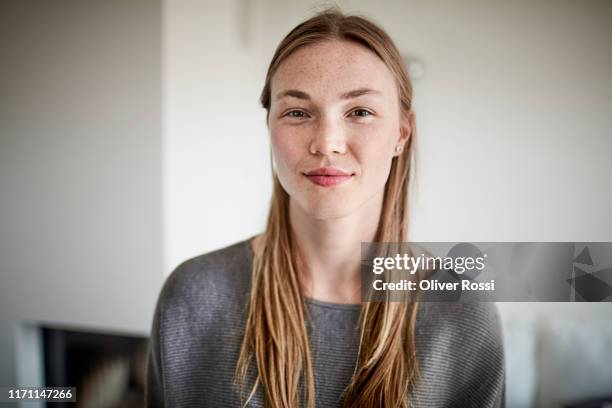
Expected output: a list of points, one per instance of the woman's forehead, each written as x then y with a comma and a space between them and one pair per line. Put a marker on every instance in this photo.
331, 69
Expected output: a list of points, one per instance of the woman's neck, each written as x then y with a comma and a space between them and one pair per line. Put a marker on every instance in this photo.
332, 250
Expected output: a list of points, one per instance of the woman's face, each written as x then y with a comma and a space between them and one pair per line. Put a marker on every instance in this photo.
334, 110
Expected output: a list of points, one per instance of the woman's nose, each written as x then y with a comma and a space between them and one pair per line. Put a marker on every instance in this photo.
328, 138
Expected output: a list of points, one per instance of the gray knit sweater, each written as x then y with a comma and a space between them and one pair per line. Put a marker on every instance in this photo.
200, 316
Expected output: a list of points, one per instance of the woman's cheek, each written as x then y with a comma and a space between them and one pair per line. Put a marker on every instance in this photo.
286, 163
287, 153
377, 164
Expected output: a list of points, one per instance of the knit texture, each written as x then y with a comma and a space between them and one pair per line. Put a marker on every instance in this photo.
199, 322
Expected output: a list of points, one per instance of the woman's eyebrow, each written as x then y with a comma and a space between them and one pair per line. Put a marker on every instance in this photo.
346, 95
359, 92
293, 93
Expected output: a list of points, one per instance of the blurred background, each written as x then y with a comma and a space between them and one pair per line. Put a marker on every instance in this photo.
131, 138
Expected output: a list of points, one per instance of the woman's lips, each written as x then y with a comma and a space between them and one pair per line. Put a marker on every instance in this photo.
327, 181
328, 176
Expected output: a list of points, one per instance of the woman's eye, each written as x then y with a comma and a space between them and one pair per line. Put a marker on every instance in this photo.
362, 113
296, 114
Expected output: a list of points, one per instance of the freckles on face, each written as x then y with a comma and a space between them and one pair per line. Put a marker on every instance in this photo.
334, 104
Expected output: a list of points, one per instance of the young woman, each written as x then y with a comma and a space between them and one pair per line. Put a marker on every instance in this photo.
276, 320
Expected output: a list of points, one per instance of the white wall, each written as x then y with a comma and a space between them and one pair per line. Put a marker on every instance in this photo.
216, 177
80, 169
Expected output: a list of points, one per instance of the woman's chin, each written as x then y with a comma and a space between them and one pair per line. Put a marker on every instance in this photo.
323, 208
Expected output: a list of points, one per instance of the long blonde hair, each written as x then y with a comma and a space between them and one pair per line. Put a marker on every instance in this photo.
275, 333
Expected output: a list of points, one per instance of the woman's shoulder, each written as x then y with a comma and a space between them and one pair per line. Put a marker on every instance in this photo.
460, 346
459, 317
213, 276
461, 329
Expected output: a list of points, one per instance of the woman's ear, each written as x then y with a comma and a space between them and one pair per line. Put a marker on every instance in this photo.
406, 129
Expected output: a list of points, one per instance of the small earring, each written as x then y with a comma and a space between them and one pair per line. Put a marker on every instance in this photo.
398, 148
